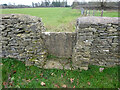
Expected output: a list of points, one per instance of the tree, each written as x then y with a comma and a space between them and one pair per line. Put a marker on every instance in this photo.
38, 4
33, 5
46, 3
103, 3
66, 3
53, 3
43, 4
75, 3
4, 4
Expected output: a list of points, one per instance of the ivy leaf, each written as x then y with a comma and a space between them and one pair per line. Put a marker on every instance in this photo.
12, 78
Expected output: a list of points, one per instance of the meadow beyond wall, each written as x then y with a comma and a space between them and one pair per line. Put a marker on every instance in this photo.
96, 42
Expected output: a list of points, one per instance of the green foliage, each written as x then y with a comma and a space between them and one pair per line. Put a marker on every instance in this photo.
31, 76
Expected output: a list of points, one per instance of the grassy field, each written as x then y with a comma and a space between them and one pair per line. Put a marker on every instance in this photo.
56, 19
17, 75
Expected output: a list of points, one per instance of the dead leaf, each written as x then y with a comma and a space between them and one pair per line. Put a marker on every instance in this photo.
52, 74
23, 80
64, 86
28, 80
101, 69
72, 79
88, 83
1, 63
91, 76
65, 74
36, 79
73, 86
57, 86
14, 72
11, 83
62, 75
77, 81
41, 74
42, 83
5, 84
45, 77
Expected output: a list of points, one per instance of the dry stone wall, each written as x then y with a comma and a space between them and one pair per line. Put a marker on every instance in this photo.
21, 38
97, 42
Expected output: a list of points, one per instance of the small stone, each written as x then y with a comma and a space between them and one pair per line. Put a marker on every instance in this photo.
83, 68
53, 64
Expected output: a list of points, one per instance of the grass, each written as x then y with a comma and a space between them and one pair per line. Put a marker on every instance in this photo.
56, 19
17, 75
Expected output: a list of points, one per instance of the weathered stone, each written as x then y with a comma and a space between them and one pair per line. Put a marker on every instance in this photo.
68, 67
17, 38
59, 44
95, 44
53, 64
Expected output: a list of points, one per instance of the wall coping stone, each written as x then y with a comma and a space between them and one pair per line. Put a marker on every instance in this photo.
96, 20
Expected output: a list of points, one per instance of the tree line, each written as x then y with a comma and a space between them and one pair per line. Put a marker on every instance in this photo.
54, 3
98, 4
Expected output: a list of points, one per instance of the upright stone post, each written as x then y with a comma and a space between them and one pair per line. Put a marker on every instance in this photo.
101, 13
93, 12
89, 12
82, 11
81, 52
86, 12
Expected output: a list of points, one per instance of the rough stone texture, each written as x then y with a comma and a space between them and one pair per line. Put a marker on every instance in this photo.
53, 64
59, 43
21, 38
59, 63
97, 42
